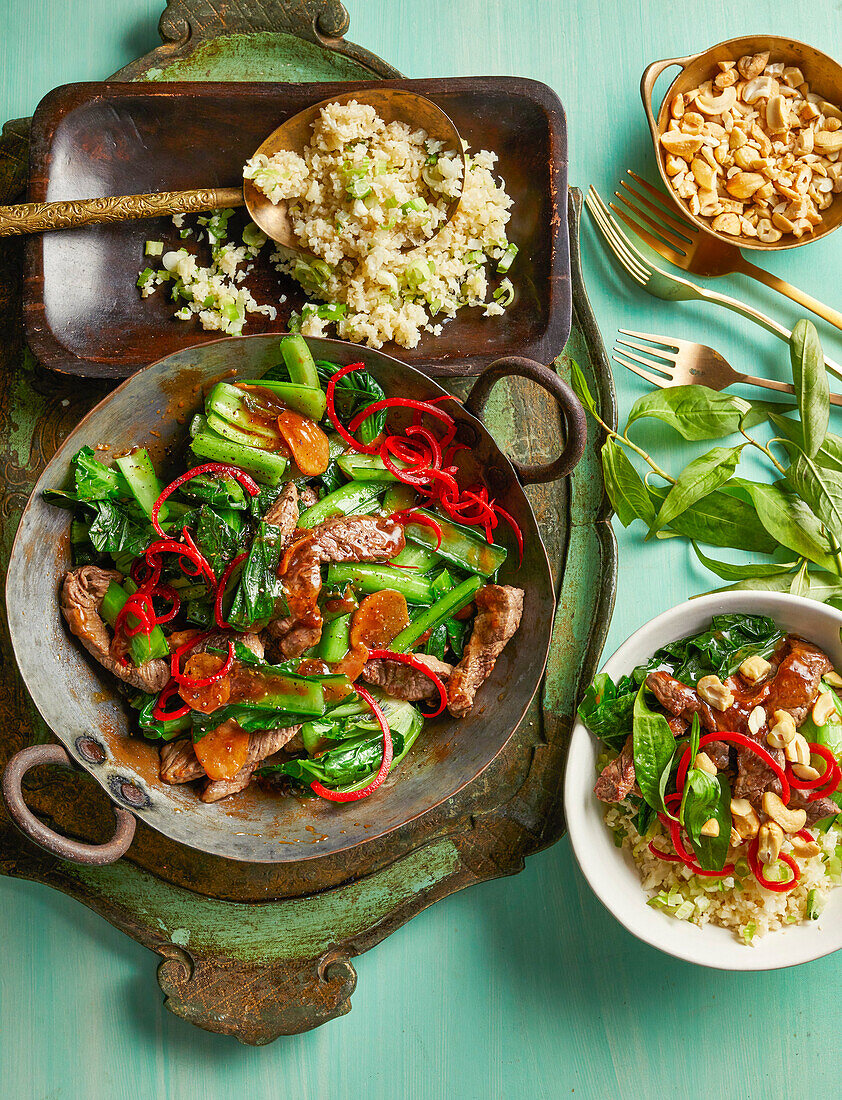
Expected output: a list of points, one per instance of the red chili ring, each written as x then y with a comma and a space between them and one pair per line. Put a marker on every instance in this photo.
413, 516
656, 851
825, 779
385, 763
215, 677
777, 887
363, 448
167, 716
398, 403
221, 468
220, 592
419, 666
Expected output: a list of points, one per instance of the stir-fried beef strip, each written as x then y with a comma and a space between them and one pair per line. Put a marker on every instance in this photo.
220, 641
682, 702
499, 610
404, 682
617, 778
308, 497
179, 763
341, 539
82, 593
796, 683
263, 743
822, 807
284, 513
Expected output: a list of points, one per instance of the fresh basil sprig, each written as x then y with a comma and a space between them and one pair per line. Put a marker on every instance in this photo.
795, 519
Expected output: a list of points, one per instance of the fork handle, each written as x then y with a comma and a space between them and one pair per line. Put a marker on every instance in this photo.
759, 318
781, 387
833, 316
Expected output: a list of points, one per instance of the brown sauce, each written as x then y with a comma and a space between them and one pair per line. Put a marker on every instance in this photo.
290, 431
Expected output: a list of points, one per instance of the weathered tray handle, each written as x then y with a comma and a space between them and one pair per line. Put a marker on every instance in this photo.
96, 855
571, 409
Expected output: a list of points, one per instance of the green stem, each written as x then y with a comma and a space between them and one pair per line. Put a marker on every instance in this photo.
765, 450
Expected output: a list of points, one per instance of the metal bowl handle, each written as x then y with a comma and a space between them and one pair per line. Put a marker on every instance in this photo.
571, 408
96, 855
647, 85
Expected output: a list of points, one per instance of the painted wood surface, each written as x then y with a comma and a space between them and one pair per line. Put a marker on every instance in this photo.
523, 987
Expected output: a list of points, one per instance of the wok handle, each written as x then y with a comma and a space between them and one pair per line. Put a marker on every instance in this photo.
96, 855
571, 408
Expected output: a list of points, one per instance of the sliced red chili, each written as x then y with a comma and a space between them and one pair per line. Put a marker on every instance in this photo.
413, 516
398, 403
215, 677
367, 449
512, 522
826, 783
778, 887
220, 592
419, 666
666, 856
177, 654
385, 763
222, 469
158, 712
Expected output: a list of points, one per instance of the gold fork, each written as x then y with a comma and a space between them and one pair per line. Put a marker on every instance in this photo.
680, 242
684, 363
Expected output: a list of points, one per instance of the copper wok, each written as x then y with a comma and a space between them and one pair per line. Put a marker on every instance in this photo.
79, 702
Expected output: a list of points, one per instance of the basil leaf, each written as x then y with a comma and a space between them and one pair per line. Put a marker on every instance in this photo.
823, 587
788, 520
695, 412
720, 519
695, 737
580, 386
698, 479
624, 485
829, 454
811, 389
800, 583
729, 572
820, 489
653, 745
705, 797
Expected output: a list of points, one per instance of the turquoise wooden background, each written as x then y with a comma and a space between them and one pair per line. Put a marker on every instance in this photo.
524, 987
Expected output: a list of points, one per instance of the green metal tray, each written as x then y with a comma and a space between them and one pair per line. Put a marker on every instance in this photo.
249, 951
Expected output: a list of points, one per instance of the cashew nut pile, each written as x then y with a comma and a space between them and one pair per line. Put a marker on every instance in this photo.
754, 150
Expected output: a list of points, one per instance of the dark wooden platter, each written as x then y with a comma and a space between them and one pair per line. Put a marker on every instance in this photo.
225, 967
82, 312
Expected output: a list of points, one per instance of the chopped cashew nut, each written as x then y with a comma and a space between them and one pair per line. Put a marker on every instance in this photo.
715, 693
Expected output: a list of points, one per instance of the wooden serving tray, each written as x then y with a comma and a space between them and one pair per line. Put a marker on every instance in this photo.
82, 311
225, 967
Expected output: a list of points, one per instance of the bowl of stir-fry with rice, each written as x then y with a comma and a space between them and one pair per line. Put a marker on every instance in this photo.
703, 791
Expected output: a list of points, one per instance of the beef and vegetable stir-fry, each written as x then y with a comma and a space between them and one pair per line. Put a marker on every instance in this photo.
287, 606
725, 753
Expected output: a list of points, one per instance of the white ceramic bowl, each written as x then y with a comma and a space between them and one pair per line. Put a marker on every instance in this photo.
611, 871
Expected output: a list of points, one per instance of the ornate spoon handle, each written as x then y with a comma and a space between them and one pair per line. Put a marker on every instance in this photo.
34, 217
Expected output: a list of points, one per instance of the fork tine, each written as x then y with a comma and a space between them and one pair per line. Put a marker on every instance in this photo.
616, 240
661, 383
678, 219
678, 239
671, 357
665, 368
649, 268
653, 242
665, 341
657, 380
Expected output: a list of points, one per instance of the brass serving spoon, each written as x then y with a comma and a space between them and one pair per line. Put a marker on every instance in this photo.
391, 104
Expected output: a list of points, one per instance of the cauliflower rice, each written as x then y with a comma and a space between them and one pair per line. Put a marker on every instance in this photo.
367, 199
739, 901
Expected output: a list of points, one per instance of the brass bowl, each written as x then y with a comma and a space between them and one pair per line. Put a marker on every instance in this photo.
822, 73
